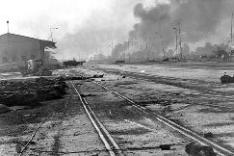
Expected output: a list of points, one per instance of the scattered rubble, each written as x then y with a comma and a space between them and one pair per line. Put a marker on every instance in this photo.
87, 95
195, 149
43, 72
226, 79
208, 135
4, 109
81, 77
30, 92
97, 76
165, 147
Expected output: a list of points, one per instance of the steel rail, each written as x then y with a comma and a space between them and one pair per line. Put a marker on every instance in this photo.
222, 151
202, 104
110, 144
24, 148
117, 71
169, 78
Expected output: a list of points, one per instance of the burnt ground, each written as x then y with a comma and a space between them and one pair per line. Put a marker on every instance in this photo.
60, 127
135, 133
187, 105
64, 129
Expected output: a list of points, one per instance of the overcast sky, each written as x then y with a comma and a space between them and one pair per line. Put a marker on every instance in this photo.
85, 26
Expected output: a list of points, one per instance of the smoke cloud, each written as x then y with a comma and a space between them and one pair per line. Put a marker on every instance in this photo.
201, 21
141, 27
99, 32
85, 27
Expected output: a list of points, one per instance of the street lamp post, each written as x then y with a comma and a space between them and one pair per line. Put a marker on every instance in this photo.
8, 29
51, 35
51, 32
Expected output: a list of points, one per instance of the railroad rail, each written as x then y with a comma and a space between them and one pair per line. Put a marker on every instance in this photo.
110, 144
202, 104
24, 148
220, 150
150, 77
167, 80
154, 76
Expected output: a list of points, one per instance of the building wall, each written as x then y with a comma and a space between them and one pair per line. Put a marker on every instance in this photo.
15, 49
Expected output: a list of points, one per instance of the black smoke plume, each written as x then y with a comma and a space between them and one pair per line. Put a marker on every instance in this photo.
155, 32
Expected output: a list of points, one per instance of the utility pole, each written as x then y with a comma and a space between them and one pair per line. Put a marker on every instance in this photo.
124, 55
129, 58
180, 42
176, 45
129, 50
177, 29
43, 53
231, 28
8, 29
163, 49
51, 33
147, 49
231, 37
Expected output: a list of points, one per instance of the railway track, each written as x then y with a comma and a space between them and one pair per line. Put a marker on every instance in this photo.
220, 150
155, 76
149, 77
23, 150
167, 80
204, 103
25, 147
112, 147
110, 144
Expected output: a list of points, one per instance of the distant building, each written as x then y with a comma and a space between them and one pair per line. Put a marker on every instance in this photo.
16, 49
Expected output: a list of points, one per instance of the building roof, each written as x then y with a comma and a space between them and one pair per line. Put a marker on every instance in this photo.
48, 43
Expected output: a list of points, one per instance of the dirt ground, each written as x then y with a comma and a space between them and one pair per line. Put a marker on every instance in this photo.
187, 71
60, 127
135, 133
64, 129
189, 107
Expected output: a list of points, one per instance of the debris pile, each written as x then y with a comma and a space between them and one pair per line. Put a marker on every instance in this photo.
226, 79
43, 72
66, 78
30, 92
195, 149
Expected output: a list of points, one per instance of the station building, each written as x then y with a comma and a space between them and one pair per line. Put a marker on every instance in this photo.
16, 49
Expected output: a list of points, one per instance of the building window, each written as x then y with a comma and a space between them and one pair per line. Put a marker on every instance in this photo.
4, 59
